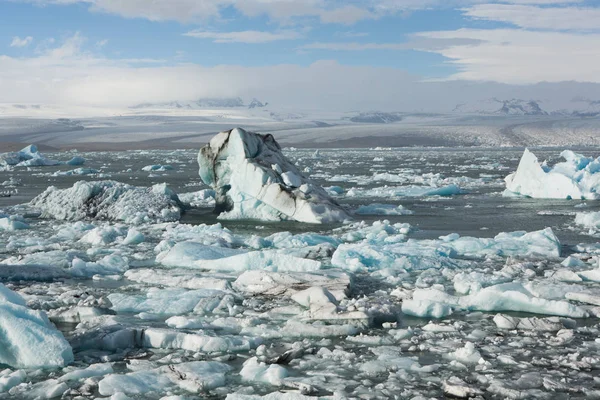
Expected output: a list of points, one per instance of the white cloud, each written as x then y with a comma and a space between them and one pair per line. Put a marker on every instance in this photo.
551, 18
102, 43
245, 36
188, 11
67, 75
520, 56
353, 46
18, 42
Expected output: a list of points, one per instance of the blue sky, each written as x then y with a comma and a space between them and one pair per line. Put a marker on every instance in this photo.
514, 42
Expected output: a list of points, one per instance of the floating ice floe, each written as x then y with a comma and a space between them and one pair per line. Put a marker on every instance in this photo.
254, 180
12, 223
405, 191
503, 297
575, 178
193, 377
383, 209
27, 338
27, 157
199, 256
590, 220
76, 161
109, 200
157, 168
420, 254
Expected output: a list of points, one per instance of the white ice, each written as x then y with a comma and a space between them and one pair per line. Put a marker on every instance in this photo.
27, 338
109, 200
254, 180
575, 178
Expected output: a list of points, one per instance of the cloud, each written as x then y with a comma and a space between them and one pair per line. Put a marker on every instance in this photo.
520, 56
245, 36
415, 43
102, 43
191, 11
353, 46
69, 75
551, 18
18, 42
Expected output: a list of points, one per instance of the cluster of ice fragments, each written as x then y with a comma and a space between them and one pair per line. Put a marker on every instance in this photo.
156, 309
577, 177
31, 157
253, 180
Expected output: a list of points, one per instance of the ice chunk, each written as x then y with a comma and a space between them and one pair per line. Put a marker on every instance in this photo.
389, 252
239, 166
109, 200
589, 220
193, 377
573, 179
109, 265
383, 209
198, 256
189, 254
467, 354
289, 283
11, 380
11, 224
134, 237
89, 372
551, 324
27, 338
255, 371
405, 191
157, 168
173, 301
201, 198
503, 297
27, 157
76, 161
322, 305
425, 309
180, 279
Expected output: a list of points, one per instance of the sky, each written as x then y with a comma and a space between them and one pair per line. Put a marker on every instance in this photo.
354, 54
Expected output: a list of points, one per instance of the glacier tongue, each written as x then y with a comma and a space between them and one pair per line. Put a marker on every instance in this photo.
254, 180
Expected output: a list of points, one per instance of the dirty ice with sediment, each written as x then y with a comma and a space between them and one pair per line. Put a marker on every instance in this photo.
251, 271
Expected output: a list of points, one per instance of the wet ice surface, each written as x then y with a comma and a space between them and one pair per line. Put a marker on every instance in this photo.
246, 309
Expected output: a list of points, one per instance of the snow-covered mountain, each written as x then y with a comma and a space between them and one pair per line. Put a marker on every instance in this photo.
232, 102
496, 106
376, 117
586, 107
255, 103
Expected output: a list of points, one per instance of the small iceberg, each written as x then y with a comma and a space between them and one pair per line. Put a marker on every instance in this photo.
254, 180
27, 157
27, 338
575, 178
109, 200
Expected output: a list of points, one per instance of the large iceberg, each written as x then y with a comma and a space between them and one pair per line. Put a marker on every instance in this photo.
254, 180
27, 338
109, 200
575, 178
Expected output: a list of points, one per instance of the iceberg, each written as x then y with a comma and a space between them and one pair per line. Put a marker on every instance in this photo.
27, 338
109, 200
27, 157
254, 180
575, 178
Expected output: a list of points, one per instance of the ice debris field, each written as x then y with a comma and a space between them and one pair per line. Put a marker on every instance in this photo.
248, 271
